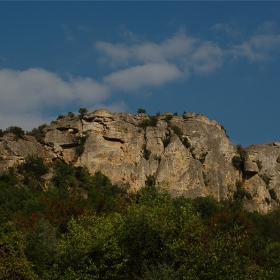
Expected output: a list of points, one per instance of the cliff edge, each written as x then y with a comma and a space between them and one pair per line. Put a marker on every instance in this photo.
191, 155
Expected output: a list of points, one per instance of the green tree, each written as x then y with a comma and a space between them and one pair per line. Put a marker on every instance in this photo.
16, 199
82, 112
160, 272
33, 168
13, 262
105, 196
64, 177
70, 115
141, 111
42, 245
90, 250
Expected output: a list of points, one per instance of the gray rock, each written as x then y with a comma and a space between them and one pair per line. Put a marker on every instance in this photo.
127, 154
250, 167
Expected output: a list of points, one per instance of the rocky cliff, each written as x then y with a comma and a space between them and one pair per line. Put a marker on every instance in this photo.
191, 155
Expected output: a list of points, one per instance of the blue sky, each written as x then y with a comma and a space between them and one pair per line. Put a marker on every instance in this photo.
220, 59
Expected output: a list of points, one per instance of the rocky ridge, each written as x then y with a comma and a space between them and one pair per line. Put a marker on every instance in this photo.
190, 155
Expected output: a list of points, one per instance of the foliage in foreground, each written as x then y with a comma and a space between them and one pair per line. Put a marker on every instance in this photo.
83, 227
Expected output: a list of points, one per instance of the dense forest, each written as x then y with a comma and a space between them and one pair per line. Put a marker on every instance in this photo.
60, 222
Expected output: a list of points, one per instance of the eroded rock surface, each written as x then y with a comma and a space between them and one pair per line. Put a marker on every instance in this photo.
191, 154
264, 175
13, 150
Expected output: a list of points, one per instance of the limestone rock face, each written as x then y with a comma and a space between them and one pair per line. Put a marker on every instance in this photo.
192, 155
264, 175
13, 150
209, 157
60, 139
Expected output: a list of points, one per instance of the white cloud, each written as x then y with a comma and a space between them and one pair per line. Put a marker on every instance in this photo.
207, 58
230, 29
88, 90
25, 120
26, 96
268, 27
184, 53
31, 92
148, 52
258, 48
154, 64
140, 76
115, 53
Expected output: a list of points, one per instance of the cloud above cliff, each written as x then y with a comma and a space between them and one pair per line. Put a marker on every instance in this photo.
257, 48
37, 88
140, 64
161, 62
34, 91
133, 66
134, 78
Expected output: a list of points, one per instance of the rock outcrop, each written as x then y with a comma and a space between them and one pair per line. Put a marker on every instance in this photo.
13, 151
191, 154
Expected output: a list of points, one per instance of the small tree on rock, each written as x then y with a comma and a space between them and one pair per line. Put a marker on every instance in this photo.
141, 111
82, 112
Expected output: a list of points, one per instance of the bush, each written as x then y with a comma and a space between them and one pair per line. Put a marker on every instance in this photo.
141, 111
60, 117
80, 144
146, 153
38, 133
240, 192
17, 131
177, 130
34, 167
151, 121
70, 115
168, 117
150, 180
236, 162
223, 128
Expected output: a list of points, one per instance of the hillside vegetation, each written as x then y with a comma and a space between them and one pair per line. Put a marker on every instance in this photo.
60, 222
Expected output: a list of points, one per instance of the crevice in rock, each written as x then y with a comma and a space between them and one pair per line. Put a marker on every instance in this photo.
113, 139
68, 146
